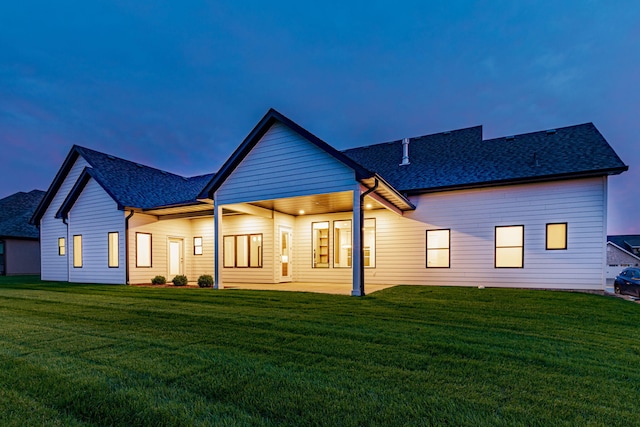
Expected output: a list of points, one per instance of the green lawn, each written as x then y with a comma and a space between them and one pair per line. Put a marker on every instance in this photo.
116, 355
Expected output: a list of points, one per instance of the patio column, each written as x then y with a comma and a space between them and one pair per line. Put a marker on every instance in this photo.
356, 245
217, 228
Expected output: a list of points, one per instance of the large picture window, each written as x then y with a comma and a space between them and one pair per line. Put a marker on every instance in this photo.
242, 251
77, 251
342, 243
438, 248
556, 236
143, 250
320, 231
113, 248
509, 246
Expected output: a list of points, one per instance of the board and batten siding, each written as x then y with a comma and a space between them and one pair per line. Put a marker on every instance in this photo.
94, 215
52, 265
283, 164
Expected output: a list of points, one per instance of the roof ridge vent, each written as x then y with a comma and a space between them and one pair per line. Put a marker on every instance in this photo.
405, 152
110, 157
510, 137
163, 172
551, 131
185, 178
139, 165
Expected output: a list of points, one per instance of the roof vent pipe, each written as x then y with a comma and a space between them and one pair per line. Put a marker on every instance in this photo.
405, 152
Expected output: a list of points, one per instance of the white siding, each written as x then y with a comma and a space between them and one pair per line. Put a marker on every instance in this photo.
161, 230
472, 216
53, 266
283, 164
93, 216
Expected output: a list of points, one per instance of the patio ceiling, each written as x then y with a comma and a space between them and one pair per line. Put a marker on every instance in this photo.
316, 204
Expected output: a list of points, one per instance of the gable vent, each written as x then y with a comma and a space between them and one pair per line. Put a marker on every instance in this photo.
405, 152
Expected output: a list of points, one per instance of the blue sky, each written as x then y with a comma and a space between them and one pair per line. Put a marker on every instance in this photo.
178, 85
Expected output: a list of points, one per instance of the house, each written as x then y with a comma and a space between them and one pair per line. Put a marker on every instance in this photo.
622, 251
19, 245
446, 209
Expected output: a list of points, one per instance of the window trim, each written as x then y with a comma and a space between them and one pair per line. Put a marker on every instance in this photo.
335, 240
75, 247
226, 264
197, 244
448, 248
496, 247
150, 250
62, 249
313, 244
566, 236
375, 242
117, 248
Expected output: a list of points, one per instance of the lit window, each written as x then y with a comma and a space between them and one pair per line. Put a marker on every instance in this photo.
197, 245
143, 250
438, 248
113, 249
342, 243
369, 243
77, 251
242, 251
62, 246
557, 236
320, 244
509, 246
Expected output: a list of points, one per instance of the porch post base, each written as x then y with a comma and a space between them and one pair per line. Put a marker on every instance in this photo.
356, 293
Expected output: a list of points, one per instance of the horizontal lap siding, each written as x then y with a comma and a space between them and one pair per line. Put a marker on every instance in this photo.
93, 216
283, 164
53, 266
160, 232
472, 216
201, 264
249, 224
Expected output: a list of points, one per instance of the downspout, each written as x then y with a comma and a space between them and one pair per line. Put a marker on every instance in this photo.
361, 231
66, 249
126, 246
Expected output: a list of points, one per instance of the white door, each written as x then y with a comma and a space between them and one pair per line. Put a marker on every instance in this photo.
176, 258
285, 254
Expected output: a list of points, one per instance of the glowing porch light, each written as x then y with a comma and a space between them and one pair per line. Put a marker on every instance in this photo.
301, 212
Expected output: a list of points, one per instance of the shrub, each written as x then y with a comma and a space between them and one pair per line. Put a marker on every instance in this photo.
180, 280
205, 281
158, 280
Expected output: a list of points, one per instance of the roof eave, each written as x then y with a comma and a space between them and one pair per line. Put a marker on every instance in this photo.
524, 180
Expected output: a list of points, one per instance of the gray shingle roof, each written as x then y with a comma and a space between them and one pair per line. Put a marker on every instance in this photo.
626, 241
461, 158
135, 185
15, 211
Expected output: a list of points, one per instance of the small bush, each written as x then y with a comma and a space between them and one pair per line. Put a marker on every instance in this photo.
180, 280
205, 281
158, 280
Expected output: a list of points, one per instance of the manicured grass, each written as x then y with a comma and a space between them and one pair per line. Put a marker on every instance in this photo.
116, 355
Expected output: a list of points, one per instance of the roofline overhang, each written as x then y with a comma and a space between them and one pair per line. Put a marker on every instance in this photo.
609, 242
6, 237
402, 202
526, 180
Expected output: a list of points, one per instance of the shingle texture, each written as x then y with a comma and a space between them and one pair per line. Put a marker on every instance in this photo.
15, 211
626, 241
134, 185
462, 158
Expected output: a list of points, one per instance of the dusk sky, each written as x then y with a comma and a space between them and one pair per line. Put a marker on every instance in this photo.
178, 85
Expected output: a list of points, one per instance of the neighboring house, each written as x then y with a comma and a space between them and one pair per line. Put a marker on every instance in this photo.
19, 246
444, 209
622, 251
